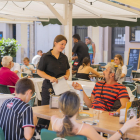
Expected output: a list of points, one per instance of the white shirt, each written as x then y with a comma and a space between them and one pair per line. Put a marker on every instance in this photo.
16, 67
36, 59
124, 71
26, 70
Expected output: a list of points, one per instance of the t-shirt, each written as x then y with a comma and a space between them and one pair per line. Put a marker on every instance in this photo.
36, 59
26, 70
124, 71
7, 77
14, 116
16, 67
81, 50
109, 95
52, 66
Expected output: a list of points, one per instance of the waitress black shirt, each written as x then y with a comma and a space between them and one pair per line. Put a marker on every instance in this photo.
52, 66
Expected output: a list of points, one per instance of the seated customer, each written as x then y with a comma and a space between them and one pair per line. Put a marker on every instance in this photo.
69, 104
16, 69
7, 77
16, 116
106, 93
27, 68
85, 69
119, 61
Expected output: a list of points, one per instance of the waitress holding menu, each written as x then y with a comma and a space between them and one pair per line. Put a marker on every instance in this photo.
53, 65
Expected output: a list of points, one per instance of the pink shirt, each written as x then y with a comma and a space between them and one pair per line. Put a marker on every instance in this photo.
7, 77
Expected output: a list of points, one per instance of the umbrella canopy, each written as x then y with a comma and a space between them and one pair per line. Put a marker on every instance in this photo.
46, 10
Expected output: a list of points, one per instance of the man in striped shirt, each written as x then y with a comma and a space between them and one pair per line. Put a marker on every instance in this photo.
16, 116
105, 93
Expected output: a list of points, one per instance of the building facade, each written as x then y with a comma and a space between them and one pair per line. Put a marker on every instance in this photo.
32, 37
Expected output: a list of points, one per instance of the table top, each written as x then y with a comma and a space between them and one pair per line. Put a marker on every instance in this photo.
136, 79
107, 124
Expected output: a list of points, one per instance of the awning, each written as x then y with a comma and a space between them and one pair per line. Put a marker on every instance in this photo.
97, 22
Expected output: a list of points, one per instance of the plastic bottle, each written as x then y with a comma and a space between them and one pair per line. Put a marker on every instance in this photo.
81, 100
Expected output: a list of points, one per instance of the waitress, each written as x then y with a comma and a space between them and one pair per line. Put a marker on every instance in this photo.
53, 65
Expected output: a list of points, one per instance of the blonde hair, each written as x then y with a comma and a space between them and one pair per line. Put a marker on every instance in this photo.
117, 72
6, 60
120, 58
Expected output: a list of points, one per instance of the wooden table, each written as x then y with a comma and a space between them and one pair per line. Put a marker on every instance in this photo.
107, 124
136, 79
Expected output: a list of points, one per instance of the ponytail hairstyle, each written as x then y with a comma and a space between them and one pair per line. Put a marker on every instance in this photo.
59, 38
86, 60
69, 104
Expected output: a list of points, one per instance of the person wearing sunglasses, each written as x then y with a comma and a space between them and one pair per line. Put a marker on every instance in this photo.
105, 93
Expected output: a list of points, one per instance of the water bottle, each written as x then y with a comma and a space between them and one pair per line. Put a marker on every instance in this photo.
81, 100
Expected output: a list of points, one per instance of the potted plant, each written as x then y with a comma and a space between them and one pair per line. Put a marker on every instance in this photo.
8, 47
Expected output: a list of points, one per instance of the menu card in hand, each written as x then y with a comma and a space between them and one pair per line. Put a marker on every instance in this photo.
60, 87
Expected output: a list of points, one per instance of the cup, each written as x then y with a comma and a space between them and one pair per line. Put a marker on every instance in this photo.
91, 111
96, 114
122, 116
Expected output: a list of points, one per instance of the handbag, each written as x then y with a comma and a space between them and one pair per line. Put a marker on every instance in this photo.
116, 106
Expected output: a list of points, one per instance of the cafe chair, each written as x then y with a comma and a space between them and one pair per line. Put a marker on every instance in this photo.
51, 135
32, 100
24, 74
1, 134
136, 74
133, 89
129, 71
4, 89
128, 82
100, 67
35, 75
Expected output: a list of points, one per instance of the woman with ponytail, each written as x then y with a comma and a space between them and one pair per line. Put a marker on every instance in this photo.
85, 69
69, 104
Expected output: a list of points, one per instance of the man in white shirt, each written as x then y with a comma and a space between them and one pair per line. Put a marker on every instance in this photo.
27, 68
16, 69
37, 57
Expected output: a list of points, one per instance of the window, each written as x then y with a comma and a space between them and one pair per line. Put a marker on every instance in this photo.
135, 34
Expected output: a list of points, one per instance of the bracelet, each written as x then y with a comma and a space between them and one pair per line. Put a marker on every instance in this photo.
120, 132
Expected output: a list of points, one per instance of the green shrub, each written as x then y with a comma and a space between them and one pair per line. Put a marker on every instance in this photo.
8, 47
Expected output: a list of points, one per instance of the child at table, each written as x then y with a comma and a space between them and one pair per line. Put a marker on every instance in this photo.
27, 67
69, 104
16, 116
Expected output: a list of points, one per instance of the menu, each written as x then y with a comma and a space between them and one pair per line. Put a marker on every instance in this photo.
133, 59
